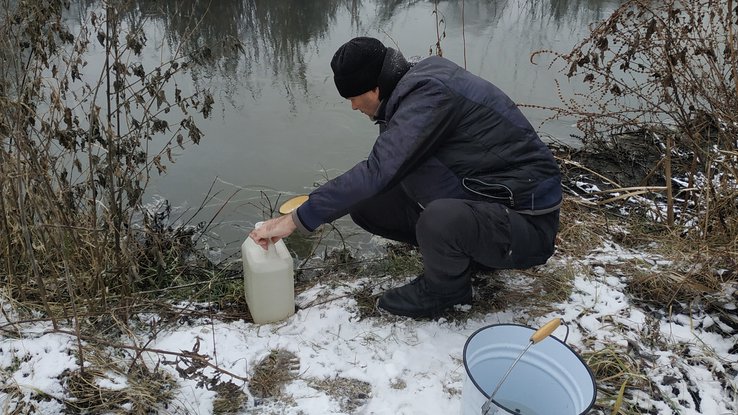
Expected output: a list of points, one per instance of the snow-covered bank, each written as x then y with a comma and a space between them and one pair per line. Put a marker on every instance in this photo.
385, 365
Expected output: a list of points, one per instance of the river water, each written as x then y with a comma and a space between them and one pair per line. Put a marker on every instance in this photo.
279, 126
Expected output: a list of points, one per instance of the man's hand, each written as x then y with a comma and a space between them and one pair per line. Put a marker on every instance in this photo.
274, 230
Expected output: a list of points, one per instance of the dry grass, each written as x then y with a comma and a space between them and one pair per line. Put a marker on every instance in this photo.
351, 394
667, 286
366, 302
612, 365
613, 368
688, 270
401, 260
143, 390
581, 228
89, 396
534, 290
14, 404
230, 399
398, 384
270, 375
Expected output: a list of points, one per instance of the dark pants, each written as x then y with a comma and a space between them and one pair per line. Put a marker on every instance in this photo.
451, 233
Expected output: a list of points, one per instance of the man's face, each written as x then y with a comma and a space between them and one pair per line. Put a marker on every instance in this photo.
367, 103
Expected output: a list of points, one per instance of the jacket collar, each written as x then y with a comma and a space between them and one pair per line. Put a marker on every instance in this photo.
393, 69
380, 116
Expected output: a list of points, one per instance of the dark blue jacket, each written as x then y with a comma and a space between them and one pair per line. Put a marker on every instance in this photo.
446, 133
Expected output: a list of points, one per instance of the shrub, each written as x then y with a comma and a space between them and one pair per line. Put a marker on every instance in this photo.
76, 155
668, 72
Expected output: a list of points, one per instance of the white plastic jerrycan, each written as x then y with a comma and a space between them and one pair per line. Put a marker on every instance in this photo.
269, 281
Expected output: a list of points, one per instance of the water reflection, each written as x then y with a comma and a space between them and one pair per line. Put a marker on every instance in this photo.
239, 36
274, 36
281, 124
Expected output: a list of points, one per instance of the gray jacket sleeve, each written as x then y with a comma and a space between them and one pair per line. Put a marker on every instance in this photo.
423, 113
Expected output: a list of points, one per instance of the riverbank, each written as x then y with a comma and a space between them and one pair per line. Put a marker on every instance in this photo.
656, 324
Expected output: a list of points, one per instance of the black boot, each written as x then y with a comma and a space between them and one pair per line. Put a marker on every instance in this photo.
417, 299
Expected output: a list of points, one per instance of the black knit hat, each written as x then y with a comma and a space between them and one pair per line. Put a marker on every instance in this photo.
356, 66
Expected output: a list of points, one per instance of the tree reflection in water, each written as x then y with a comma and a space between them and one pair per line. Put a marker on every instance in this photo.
248, 39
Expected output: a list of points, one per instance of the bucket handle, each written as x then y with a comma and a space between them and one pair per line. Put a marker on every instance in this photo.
566, 337
548, 329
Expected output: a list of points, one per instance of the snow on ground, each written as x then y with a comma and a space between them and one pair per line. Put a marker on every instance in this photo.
411, 367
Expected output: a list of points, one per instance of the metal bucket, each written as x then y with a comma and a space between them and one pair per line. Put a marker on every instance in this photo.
550, 379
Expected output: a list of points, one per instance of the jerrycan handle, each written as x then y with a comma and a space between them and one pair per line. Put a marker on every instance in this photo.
271, 252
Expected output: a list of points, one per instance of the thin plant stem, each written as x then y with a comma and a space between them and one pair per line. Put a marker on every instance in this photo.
463, 32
